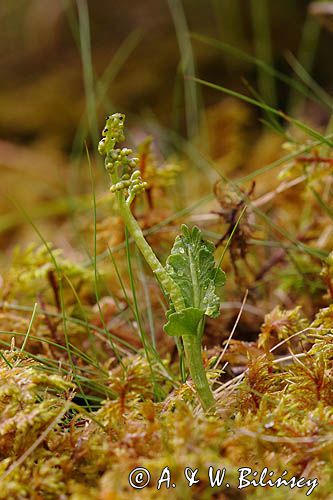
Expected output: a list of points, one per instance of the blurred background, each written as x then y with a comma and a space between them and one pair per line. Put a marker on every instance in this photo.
57, 57
65, 64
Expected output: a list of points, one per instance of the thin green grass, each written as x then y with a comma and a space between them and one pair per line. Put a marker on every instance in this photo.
306, 57
102, 86
75, 351
123, 288
91, 337
263, 50
61, 294
8, 363
326, 208
87, 67
123, 346
283, 160
89, 382
266, 101
149, 310
187, 67
113, 346
229, 240
299, 124
232, 11
307, 79
143, 336
196, 157
272, 121
29, 327
157, 227
297, 86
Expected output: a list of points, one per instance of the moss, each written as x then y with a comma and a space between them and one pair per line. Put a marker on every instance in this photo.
98, 390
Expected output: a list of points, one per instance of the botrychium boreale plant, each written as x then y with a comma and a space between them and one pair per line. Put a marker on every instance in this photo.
189, 278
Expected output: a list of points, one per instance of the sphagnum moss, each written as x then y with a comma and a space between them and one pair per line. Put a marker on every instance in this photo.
189, 278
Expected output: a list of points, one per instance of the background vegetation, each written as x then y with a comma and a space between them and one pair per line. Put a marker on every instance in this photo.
236, 97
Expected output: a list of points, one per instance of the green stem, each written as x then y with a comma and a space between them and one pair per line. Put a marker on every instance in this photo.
169, 286
192, 343
192, 347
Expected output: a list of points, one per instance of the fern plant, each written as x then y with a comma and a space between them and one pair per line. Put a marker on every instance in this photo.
189, 278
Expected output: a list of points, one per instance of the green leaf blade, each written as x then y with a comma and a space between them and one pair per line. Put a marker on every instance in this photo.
185, 322
192, 266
